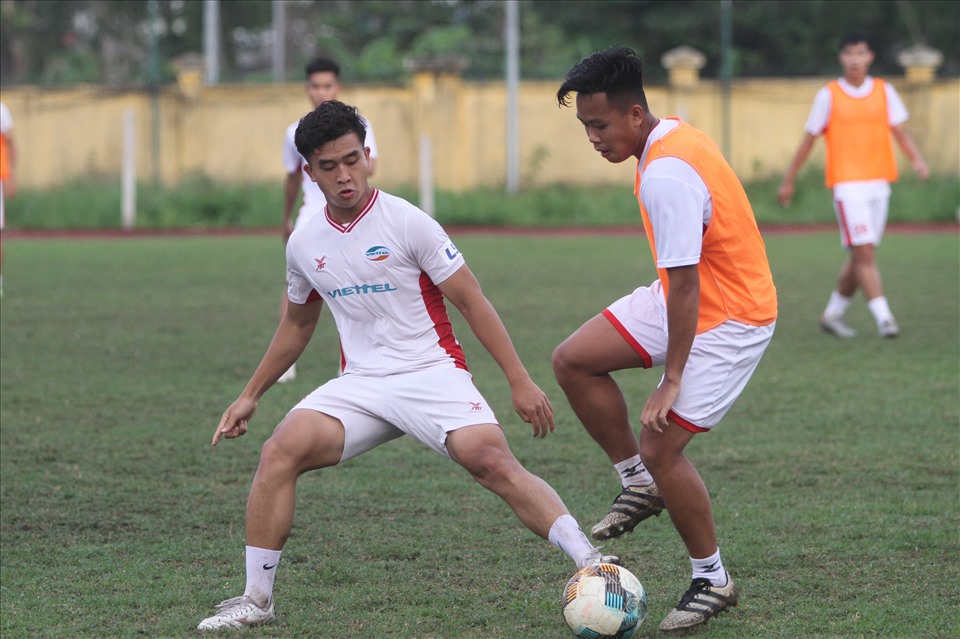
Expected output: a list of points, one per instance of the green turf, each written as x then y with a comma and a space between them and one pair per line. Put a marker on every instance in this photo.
834, 478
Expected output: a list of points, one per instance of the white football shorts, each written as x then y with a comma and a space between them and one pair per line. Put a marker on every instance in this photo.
862, 221
424, 404
720, 364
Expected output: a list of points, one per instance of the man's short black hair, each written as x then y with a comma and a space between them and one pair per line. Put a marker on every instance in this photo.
321, 65
855, 37
329, 121
617, 71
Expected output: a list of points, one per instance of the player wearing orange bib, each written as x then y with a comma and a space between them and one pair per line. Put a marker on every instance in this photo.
856, 114
7, 183
707, 320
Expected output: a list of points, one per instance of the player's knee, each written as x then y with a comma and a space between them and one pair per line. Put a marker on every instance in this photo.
491, 466
863, 254
276, 456
653, 455
564, 368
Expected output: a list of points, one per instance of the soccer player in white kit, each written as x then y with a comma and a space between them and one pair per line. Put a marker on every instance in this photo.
322, 84
384, 268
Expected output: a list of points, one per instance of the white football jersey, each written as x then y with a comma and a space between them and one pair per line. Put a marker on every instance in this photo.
379, 277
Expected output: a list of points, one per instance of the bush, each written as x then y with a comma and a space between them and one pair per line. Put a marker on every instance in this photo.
201, 203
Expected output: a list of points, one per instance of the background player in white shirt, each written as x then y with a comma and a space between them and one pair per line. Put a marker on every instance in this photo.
384, 268
322, 84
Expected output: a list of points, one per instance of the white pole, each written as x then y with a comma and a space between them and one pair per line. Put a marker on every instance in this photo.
512, 37
128, 180
279, 11
426, 175
211, 42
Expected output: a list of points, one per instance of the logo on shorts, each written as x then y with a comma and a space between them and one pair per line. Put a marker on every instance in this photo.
378, 253
475, 407
321, 262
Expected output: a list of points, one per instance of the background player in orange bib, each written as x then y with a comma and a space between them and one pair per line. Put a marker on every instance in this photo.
7, 183
856, 114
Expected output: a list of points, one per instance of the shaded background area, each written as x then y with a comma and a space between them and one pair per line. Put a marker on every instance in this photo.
67, 42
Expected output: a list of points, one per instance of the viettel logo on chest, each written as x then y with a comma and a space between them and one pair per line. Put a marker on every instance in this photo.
377, 253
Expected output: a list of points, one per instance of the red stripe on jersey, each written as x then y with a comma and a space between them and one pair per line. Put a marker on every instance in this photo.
366, 209
843, 222
437, 310
634, 344
343, 358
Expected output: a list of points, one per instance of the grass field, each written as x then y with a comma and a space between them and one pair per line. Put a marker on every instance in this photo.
834, 478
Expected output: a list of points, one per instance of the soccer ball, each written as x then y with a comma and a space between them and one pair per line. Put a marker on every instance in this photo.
604, 601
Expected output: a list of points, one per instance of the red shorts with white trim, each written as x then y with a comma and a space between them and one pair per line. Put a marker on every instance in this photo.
720, 364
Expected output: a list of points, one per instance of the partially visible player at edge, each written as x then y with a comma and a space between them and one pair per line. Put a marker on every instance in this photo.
384, 267
707, 319
8, 184
322, 84
856, 114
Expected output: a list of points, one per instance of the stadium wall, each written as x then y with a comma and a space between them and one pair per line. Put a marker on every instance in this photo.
234, 133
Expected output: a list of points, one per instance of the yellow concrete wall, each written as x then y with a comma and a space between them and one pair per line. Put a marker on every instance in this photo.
235, 132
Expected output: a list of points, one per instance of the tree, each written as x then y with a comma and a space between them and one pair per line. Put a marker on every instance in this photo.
71, 41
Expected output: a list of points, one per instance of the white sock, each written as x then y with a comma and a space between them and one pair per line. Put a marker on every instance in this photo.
633, 472
566, 535
710, 568
880, 309
837, 306
261, 572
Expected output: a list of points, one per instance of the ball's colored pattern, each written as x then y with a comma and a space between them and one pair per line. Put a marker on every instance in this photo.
604, 601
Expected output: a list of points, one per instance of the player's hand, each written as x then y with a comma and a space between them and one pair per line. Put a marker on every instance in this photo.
534, 407
921, 168
655, 411
235, 420
785, 193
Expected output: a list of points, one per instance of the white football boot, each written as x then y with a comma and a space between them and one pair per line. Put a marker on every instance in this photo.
237, 613
836, 326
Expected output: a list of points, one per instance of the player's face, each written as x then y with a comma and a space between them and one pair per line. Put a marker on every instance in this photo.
614, 134
856, 60
340, 168
322, 86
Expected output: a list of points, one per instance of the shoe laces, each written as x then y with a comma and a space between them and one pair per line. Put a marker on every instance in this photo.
697, 586
237, 606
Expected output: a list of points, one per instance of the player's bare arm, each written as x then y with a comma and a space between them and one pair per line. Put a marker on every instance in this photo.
683, 307
911, 150
531, 403
292, 336
785, 192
